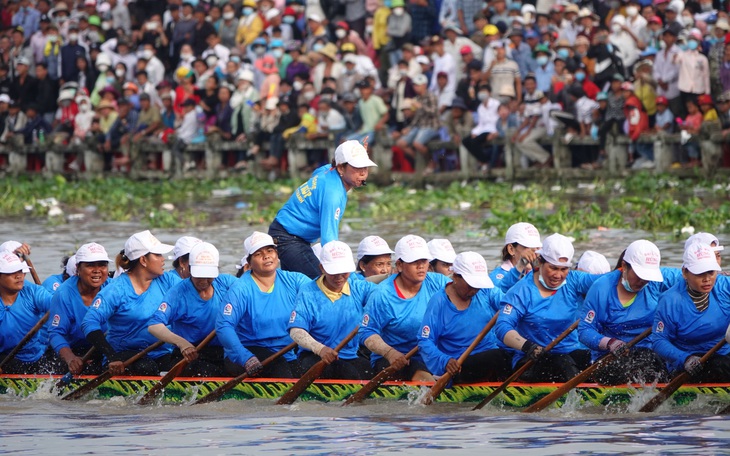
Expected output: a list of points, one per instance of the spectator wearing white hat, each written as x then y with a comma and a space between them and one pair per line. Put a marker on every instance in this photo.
24, 305
454, 318
521, 243
71, 302
694, 68
692, 317
443, 254
618, 307
316, 208
540, 307
126, 306
395, 310
624, 40
326, 310
189, 310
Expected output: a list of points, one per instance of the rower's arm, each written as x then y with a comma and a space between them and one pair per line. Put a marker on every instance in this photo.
305, 340
513, 340
376, 344
161, 332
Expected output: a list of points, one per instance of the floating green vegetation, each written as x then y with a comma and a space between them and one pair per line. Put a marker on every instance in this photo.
659, 204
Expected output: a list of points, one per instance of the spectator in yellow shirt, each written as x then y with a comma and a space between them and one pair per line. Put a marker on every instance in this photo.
709, 113
250, 26
645, 88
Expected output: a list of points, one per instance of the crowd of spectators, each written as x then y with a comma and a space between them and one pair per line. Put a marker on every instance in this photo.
464, 72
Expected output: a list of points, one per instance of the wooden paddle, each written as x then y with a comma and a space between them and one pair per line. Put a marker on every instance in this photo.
66, 379
378, 380
312, 374
580, 378
223, 389
444, 380
33, 272
106, 375
28, 336
516, 374
172, 373
676, 382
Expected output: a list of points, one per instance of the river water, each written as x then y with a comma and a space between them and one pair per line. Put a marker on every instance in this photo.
42, 424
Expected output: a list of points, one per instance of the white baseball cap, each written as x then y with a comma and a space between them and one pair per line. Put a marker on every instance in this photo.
420, 79
71, 266
242, 264
10, 263
412, 248
473, 268
183, 246
704, 238
353, 153
204, 258
525, 234
142, 243
593, 263
555, 247
699, 258
4, 98
373, 245
272, 13
644, 258
441, 249
317, 249
256, 241
423, 60
336, 258
10, 246
91, 253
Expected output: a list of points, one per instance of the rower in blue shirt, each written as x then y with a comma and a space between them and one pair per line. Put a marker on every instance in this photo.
442, 256
252, 324
454, 318
24, 304
620, 306
316, 208
692, 317
187, 314
521, 242
326, 311
395, 310
70, 304
127, 304
540, 307
181, 258
374, 258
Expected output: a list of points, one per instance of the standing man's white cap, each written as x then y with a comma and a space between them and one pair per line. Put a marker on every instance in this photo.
704, 238
593, 263
336, 258
71, 266
10, 263
354, 154
256, 241
473, 268
183, 246
525, 234
412, 248
699, 258
555, 247
142, 243
442, 250
373, 245
644, 258
204, 259
10, 246
91, 253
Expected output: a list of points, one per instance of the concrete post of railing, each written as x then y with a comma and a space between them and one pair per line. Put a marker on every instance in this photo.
662, 153
711, 150
466, 161
135, 158
617, 154
93, 159
381, 153
213, 155
510, 155
561, 151
17, 156
293, 155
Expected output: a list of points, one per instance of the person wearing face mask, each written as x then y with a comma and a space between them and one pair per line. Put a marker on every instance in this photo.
487, 114
216, 49
27, 17
69, 53
541, 306
716, 55
398, 29
250, 25
227, 26
155, 69
634, 21
624, 40
119, 50
202, 31
618, 307
694, 69
52, 53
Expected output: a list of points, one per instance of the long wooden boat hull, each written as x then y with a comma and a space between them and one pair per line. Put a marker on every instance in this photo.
517, 395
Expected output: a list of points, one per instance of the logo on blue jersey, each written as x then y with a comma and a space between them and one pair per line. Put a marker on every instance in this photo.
507, 309
293, 316
365, 320
56, 320
228, 309
163, 307
96, 304
425, 332
337, 214
56, 285
590, 316
499, 276
660, 327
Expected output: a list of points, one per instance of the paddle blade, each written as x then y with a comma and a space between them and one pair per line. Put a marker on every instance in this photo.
299, 387
164, 381
87, 387
436, 389
378, 380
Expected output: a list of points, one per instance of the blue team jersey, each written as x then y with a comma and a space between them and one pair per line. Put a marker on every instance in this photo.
603, 315
503, 277
52, 283
315, 209
541, 319
172, 276
256, 318
330, 322
395, 319
188, 315
680, 330
447, 331
32, 302
127, 314
67, 313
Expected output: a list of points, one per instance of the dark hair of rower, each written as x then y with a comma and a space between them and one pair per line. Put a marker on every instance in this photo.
505, 251
121, 261
365, 260
64, 262
620, 260
181, 259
